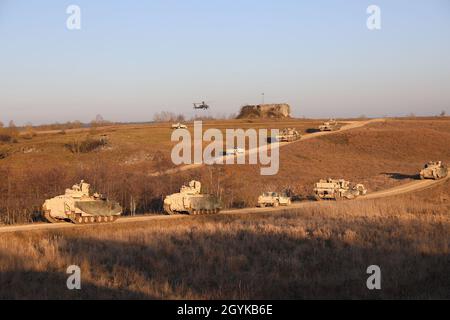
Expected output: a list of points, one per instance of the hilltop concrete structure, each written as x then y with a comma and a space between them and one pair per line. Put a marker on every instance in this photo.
266, 111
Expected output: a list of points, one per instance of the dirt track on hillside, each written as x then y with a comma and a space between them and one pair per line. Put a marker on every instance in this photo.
418, 185
348, 126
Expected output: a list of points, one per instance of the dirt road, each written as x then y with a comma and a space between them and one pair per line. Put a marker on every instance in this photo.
348, 126
414, 186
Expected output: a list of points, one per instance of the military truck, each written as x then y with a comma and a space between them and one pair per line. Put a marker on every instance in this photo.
179, 126
434, 170
273, 199
330, 125
191, 201
78, 206
288, 135
331, 189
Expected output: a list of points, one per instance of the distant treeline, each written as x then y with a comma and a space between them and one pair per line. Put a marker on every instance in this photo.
98, 121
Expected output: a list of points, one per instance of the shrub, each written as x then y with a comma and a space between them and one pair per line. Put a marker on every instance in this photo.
3, 154
85, 146
4, 137
29, 135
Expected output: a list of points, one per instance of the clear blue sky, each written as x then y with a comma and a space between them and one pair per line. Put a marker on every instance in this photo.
134, 58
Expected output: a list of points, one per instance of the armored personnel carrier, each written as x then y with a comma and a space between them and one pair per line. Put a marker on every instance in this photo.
273, 199
330, 125
434, 170
288, 135
78, 206
190, 200
331, 189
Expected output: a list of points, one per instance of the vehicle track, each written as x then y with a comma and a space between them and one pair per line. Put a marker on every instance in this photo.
418, 185
348, 126
413, 186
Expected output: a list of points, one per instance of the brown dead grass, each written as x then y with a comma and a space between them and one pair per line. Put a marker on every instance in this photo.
309, 253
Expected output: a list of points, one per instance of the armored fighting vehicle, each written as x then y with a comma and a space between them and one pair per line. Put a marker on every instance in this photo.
273, 199
190, 200
78, 206
331, 189
288, 135
434, 170
330, 125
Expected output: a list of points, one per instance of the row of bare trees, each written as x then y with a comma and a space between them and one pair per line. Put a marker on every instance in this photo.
23, 190
165, 116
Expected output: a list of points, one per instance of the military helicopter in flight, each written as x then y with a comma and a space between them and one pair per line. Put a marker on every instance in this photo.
201, 106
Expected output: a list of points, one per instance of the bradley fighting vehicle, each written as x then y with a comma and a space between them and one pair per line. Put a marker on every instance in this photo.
288, 135
190, 200
434, 170
330, 125
77, 205
331, 189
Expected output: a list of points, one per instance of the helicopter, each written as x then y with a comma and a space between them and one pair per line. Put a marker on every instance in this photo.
202, 106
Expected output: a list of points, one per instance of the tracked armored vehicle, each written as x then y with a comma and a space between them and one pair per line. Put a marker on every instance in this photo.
288, 135
330, 125
434, 170
331, 189
78, 206
191, 201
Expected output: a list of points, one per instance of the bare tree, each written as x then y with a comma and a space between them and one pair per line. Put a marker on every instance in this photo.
165, 116
99, 119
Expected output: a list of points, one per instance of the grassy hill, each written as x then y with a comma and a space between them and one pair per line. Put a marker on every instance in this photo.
380, 155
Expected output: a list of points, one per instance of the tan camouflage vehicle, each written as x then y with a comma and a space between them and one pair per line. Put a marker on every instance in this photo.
331, 125
434, 170
190, 200
331, 189
179, 126
273, 199
288, 135
78, 206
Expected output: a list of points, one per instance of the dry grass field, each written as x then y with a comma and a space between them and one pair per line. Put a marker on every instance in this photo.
318, 251
379, 155
309, 253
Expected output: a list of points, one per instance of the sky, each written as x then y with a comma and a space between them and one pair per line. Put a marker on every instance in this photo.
133, 58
